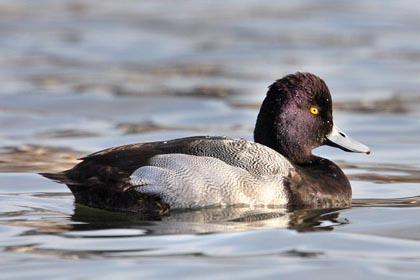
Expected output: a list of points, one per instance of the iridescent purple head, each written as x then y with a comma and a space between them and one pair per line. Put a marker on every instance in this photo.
296, 117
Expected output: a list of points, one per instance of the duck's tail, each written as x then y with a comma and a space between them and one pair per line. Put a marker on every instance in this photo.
59, 177
110, 195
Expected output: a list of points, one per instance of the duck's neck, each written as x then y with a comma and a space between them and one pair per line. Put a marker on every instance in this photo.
277, 134
296, 152
274, 128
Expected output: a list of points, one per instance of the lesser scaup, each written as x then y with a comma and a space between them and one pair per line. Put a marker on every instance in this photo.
277, 169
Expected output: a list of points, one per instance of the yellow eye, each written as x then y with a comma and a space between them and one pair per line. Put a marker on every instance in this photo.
314, 110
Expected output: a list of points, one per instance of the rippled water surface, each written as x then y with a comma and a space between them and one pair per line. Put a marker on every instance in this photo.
79, 76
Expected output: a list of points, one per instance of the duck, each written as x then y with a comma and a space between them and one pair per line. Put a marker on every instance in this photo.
277, 169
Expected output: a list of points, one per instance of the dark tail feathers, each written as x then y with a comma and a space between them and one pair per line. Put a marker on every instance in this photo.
59, 177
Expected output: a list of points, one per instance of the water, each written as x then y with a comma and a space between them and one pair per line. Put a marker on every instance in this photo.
79, 76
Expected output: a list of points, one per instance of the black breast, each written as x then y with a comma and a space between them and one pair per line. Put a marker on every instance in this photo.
319, 184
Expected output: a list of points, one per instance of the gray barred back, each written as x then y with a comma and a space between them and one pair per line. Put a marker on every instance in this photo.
216, 172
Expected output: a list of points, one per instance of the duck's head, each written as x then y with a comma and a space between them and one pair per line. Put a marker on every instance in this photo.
296, 117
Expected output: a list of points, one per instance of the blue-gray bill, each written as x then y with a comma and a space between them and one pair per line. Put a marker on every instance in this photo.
339, 139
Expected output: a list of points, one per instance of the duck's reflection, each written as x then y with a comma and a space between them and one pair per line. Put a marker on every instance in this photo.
210, 220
